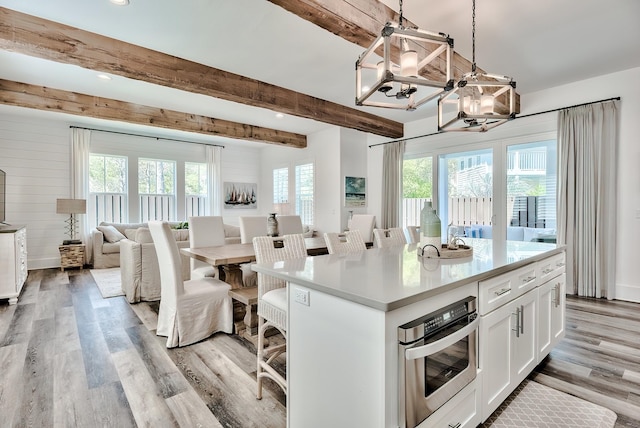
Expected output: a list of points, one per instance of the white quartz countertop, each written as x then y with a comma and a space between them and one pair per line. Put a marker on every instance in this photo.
390, 278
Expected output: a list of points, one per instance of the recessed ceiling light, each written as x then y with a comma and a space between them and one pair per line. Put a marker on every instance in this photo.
120, 2
279, 115
104, 77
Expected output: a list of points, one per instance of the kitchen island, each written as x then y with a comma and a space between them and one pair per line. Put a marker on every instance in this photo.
344, 313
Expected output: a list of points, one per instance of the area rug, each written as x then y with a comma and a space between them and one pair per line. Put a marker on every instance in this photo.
108, 281
533, 405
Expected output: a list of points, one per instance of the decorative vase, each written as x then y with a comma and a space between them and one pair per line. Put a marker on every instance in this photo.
430, 227
272, 225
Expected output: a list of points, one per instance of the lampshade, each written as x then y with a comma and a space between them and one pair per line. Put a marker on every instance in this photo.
71, 206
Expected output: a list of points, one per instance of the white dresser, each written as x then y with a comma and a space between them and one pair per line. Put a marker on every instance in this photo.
13, 261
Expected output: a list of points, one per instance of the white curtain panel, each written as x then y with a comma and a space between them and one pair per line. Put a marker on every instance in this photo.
213, 154
80, 144
392, 158
588, 146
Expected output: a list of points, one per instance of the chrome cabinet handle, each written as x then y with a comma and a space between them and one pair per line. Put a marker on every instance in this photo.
455, 426
558, 286
546, 271
521, 319
560, 264
502, 291
517, 329
555, 296
529, 278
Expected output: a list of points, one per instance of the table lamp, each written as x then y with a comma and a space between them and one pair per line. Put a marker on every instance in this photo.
71, 207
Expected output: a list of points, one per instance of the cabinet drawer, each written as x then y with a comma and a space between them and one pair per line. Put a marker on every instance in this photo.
496, 291
551, 267
459, 412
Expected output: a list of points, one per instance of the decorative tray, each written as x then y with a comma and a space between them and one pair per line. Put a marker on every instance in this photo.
431, 252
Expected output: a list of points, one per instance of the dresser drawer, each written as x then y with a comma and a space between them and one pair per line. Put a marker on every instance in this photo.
459, 412
551, 267
496, 291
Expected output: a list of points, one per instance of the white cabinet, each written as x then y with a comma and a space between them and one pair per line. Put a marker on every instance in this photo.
495, 292
551, 314
459, 412
13, 261
508, 349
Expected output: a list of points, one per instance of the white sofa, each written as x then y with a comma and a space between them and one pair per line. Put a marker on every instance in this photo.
139, 270
107, 254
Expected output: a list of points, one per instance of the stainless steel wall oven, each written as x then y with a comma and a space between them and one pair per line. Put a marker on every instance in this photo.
437, 354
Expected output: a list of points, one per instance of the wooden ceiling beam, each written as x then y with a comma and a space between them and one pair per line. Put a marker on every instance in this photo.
55, 100
33, 36
361, 21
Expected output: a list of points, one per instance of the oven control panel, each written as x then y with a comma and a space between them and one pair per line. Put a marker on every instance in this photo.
444, 318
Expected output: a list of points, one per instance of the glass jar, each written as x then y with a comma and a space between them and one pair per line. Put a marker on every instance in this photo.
272, 225
430, 227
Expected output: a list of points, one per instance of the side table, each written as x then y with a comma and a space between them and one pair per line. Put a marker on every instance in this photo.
71, 255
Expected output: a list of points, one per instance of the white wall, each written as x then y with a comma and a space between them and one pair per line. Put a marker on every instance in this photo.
35, 154
323, 149
622, 84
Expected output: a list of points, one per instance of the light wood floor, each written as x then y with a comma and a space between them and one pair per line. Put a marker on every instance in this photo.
71, 358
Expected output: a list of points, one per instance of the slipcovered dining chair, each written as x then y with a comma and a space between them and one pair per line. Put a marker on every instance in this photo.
252, 226
389, 237
364, 223
349, 242
204, 231
289, 224
412, 234
272, 302
191, 310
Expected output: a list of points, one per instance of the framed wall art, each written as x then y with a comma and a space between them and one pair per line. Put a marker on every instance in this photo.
355, 192
240, 195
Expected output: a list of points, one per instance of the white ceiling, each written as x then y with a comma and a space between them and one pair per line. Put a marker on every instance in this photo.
540, 43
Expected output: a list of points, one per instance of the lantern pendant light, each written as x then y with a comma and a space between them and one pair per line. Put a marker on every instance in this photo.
480, 101
392, 78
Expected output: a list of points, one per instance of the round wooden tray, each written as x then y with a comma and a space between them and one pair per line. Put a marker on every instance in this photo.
446, 253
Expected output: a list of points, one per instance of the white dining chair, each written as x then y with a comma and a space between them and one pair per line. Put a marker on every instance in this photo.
289, 224
344, 243
191, 310
252, 226
389, 237
412, 234
205, 231
365, 224
272, 302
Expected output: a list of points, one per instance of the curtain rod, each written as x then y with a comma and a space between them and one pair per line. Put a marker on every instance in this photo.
145, 136
517, 117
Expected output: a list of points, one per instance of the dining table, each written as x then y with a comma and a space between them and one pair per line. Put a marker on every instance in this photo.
228, 258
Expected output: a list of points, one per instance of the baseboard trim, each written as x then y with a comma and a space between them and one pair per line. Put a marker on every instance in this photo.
629, 293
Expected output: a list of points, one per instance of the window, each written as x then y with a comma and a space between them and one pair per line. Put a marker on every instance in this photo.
107, 188
417, 188
281, 188
156, 187
195, 189
465, 194
531, 185
305, 192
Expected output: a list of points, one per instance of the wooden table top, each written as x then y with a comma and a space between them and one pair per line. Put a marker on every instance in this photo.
243, 253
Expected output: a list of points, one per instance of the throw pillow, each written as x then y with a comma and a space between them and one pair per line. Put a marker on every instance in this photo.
111, 234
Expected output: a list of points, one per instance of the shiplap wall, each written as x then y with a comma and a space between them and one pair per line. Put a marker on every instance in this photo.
35, 154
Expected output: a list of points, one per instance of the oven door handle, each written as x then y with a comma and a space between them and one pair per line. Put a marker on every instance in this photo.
445, 342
